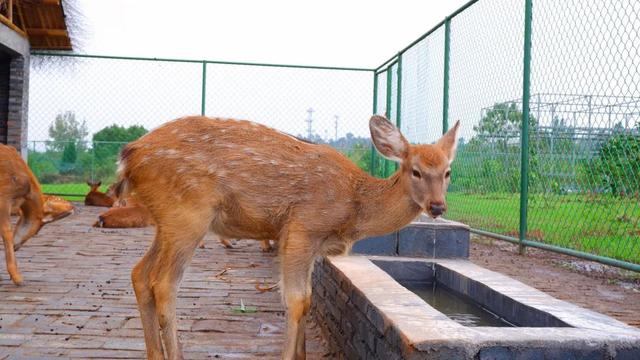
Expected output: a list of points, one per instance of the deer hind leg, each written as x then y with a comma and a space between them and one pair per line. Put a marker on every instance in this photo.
157, 278
146, 302
297, 264
7, 236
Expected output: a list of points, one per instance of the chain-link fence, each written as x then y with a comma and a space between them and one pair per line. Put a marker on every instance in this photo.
568, 70
83, 109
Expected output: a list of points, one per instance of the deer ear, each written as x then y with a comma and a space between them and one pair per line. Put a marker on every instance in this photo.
449, 142
388, 139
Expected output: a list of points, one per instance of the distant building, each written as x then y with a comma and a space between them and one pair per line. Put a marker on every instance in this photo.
24, 26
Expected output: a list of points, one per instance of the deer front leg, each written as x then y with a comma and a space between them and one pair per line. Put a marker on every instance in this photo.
226, 243
7, 237
265, 245
297, 264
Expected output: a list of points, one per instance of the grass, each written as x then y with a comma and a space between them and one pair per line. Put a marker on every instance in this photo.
67, 189
601, 224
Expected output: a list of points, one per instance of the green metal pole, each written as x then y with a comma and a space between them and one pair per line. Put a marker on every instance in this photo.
524, 160
398, 100
445, 90
375, 111
203, 103
388, 115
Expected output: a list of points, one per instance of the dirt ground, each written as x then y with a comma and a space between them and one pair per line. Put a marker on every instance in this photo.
591, 285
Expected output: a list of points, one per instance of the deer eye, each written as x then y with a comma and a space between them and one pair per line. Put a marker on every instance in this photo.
417, 174
447, 174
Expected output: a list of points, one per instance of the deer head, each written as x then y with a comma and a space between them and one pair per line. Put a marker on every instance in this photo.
426, 169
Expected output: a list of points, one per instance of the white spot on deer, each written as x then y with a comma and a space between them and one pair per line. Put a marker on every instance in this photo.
273, 162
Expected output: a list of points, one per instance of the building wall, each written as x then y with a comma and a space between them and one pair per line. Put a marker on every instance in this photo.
4, 97
17, 119
14, 89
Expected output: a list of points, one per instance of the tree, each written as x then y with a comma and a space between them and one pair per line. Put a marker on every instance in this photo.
66, 129
108, 141
501, 126
617, 165
493, 159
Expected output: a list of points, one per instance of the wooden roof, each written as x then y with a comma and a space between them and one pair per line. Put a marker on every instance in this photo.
41, 21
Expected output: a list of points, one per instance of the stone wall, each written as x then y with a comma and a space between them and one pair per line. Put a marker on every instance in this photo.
4, 97
17, 123
353, 329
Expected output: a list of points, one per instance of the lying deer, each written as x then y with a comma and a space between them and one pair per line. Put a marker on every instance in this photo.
125, 214
97, 198
244, 180
20, 189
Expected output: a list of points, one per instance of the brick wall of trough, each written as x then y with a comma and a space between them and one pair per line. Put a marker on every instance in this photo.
354, 329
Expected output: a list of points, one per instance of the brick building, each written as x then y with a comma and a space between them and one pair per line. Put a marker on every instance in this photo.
25, 25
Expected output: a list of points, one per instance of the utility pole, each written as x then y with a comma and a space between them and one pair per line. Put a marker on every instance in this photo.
336, 123
309, 123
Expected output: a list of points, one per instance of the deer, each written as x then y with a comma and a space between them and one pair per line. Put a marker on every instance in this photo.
240, 179
125, 213
97, 198
20, 190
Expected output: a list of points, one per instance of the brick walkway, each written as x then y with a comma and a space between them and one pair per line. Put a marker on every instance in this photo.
77, 301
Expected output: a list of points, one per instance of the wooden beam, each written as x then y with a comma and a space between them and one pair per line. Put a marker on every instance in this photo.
12, 26
46, 32
50, 2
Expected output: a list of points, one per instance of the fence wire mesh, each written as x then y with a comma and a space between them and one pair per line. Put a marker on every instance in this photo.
84, 109
585, 139
584, 132
584, 121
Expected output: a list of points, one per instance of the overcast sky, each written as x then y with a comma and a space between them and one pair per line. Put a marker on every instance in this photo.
353, 33
581, 49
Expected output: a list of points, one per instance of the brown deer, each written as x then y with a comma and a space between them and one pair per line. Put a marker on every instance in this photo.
20, 190
245, 180
125, 214
97, 198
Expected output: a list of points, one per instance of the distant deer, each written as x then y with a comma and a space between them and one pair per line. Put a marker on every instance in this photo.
125, 214
97, 198
19, 189
245, 180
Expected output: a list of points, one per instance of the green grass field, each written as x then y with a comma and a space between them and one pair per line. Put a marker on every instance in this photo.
67, 189
602, 225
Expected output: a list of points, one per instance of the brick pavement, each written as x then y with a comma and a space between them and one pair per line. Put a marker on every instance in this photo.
77, 301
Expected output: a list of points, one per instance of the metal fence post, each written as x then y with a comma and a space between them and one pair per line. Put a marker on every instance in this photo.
445, 90
387, 114
204, 89
398, 100
526, 93
375, 111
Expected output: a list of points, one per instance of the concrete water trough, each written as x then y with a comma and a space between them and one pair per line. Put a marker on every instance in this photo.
366, 307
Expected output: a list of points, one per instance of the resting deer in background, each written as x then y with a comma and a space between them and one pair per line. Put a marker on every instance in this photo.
127, 213
97, 198
20, 190
244, 180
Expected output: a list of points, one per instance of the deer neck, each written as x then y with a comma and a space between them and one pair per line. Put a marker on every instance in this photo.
386, 206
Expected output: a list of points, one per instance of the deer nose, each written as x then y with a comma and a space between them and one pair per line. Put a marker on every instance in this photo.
436, 208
